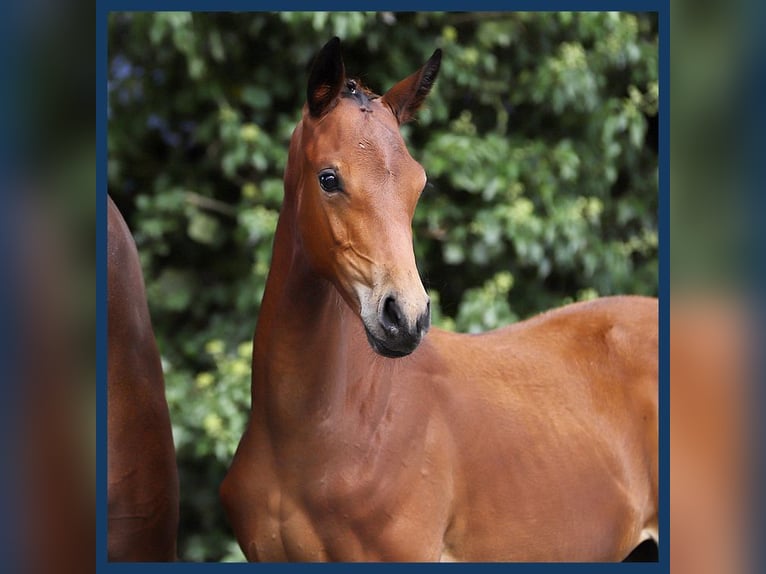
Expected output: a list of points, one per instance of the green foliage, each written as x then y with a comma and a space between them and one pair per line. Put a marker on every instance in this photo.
539, 140
209, 415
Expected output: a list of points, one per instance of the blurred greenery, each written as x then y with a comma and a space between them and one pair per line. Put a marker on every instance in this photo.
539, 140
709, 147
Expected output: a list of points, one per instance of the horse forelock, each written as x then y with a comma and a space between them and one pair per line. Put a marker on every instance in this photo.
356, 91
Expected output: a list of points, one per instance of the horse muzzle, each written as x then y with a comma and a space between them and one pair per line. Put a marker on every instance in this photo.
394, 335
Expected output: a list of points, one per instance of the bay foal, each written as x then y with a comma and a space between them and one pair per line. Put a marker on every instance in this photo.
367, 439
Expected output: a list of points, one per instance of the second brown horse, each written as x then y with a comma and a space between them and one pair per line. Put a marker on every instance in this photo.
141, 463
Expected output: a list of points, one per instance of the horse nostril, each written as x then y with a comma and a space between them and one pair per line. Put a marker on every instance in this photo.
392, 316
424, 321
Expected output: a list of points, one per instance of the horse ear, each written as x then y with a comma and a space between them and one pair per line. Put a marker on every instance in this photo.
408, 95
326, 78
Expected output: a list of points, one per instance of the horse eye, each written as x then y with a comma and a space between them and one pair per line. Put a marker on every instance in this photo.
329, 181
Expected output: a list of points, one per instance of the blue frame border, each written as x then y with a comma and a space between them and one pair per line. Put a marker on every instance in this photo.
664, 288
103, 7
101, 281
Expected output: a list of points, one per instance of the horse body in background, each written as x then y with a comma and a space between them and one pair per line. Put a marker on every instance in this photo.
142, 476
370, 440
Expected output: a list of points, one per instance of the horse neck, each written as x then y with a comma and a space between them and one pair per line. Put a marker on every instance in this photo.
311, 359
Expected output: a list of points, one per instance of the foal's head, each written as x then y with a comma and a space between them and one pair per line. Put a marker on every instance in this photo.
356, 196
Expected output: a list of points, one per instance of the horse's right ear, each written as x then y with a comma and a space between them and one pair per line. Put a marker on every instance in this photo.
408, 95
327, 77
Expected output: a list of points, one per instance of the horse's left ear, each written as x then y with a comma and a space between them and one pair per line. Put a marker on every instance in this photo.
407, 96
327, 77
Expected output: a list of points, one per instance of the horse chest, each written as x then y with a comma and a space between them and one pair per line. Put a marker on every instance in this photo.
353, 508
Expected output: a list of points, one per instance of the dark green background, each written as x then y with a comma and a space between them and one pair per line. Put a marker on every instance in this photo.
539, 140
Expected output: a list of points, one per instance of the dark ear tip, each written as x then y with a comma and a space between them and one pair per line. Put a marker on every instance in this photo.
325, 78
432, 66
434, 62
332, 45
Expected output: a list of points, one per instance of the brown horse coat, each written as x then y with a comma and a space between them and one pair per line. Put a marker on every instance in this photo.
142, 475
536, 442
